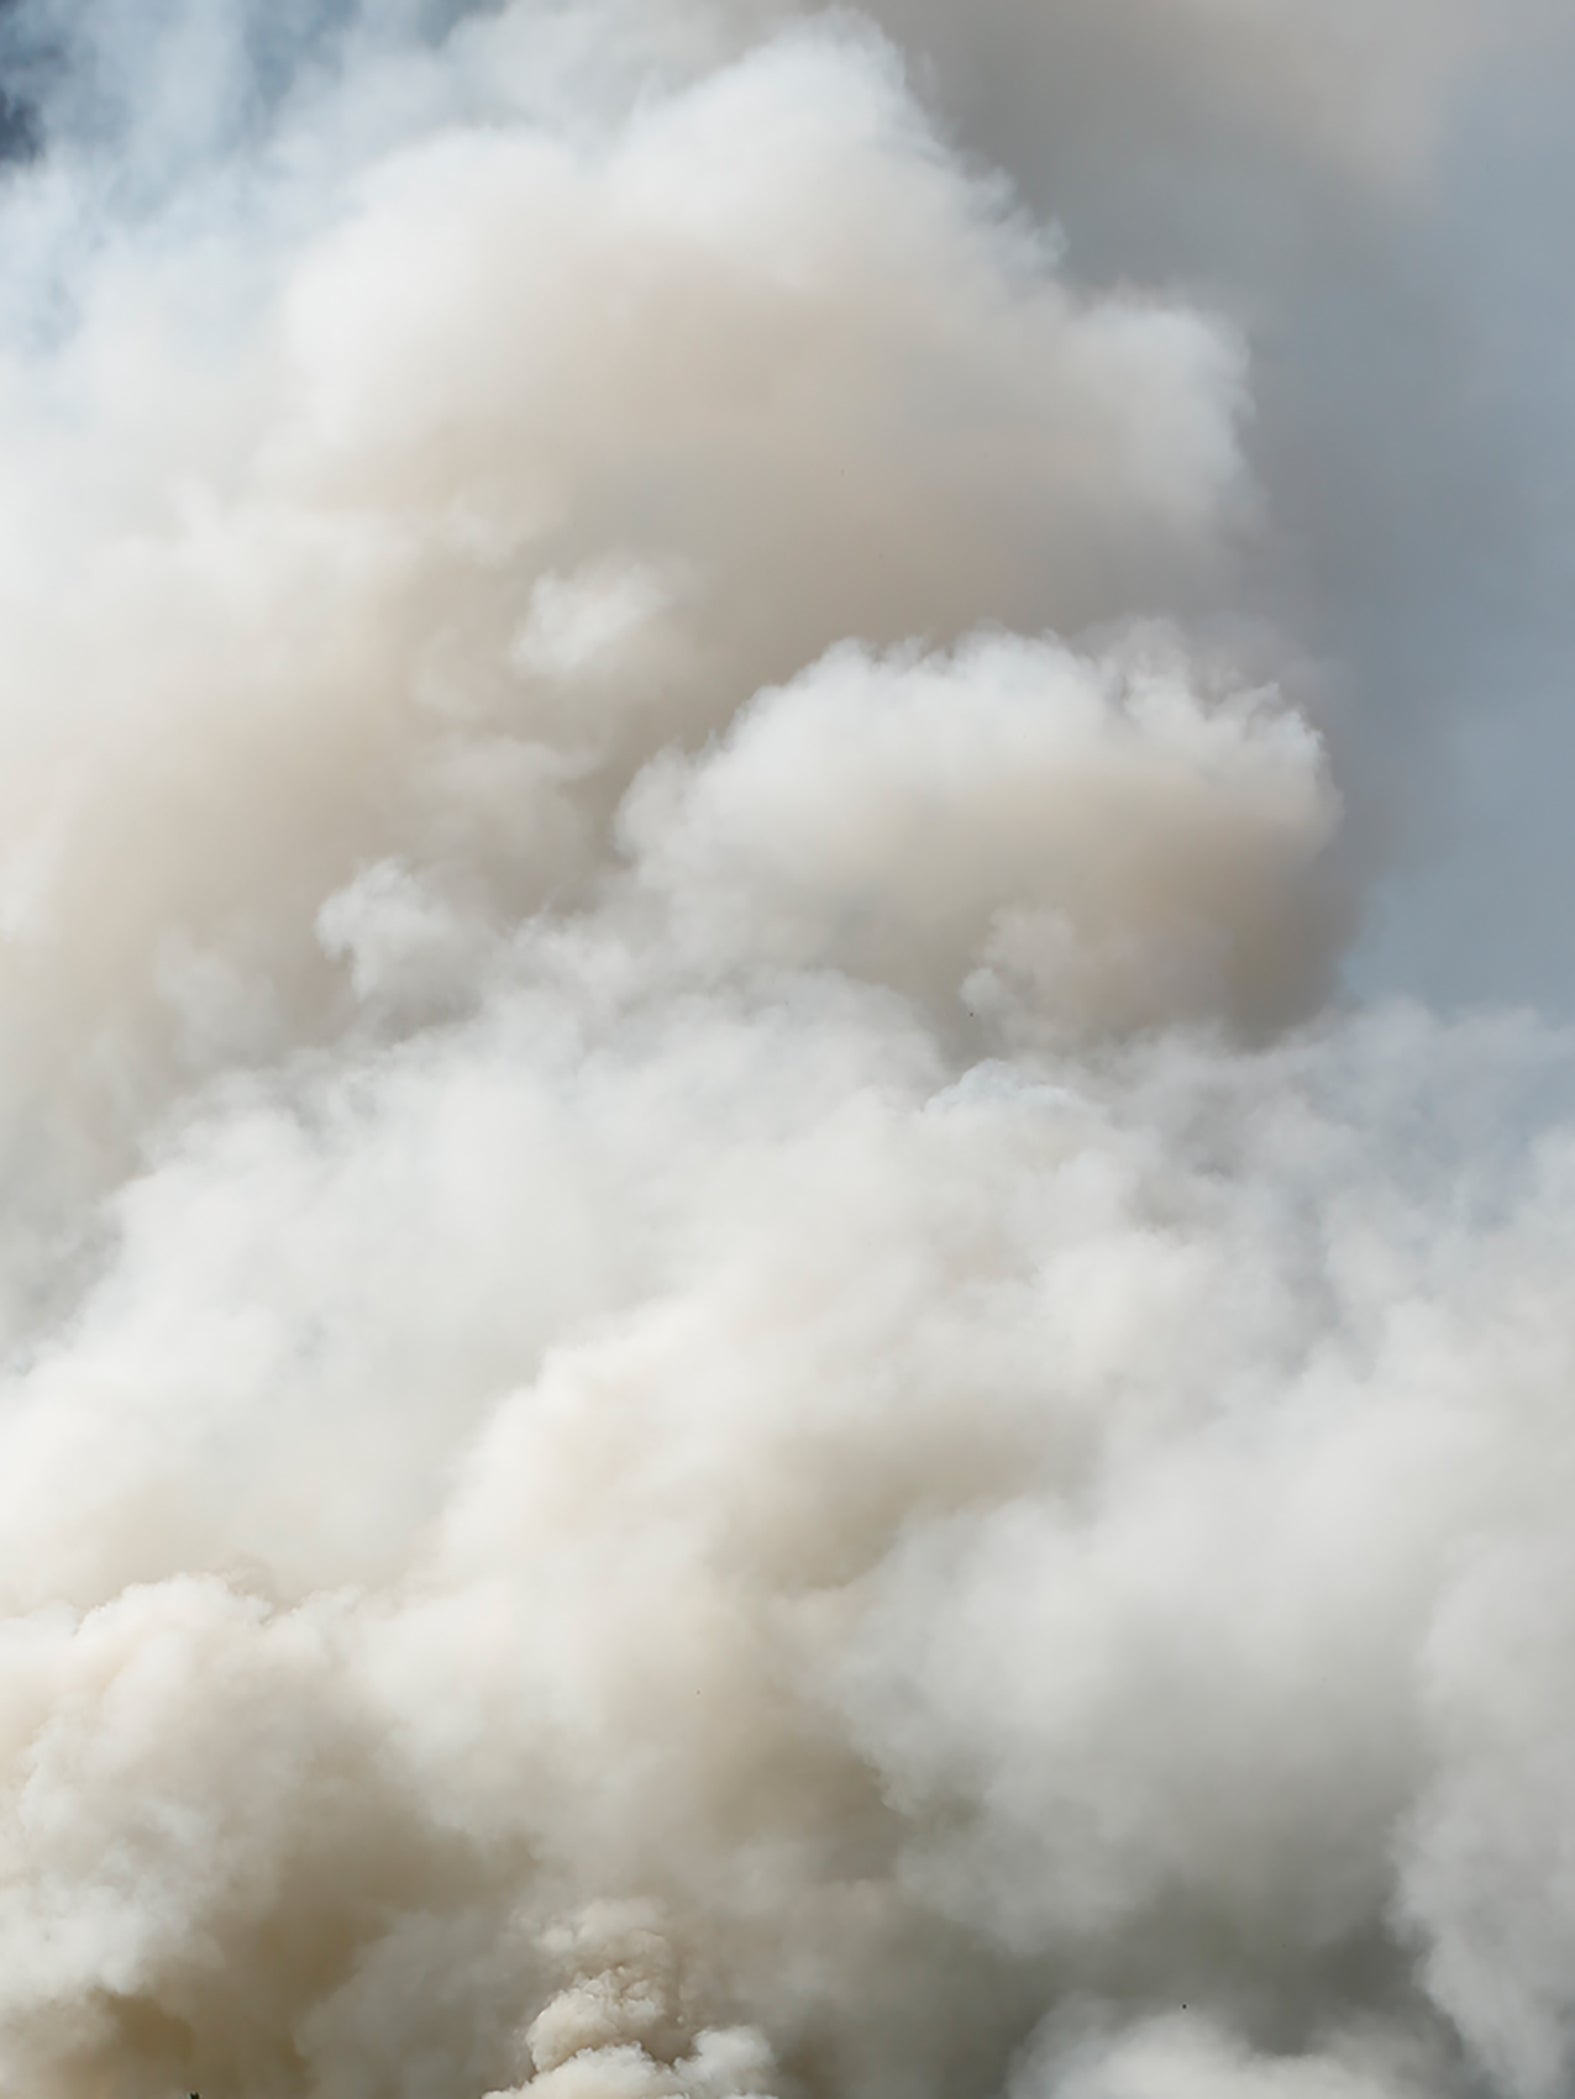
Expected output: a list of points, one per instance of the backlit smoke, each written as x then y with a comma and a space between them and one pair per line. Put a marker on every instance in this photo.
728, 1372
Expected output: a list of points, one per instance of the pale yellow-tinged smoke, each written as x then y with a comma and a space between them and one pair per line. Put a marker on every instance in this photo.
722, 1380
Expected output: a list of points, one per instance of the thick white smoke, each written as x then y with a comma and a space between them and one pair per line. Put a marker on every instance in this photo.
724, 1377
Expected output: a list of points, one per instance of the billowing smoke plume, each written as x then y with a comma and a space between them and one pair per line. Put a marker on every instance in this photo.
727, 1374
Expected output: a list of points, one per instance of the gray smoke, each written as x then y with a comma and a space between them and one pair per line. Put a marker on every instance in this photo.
730, 1371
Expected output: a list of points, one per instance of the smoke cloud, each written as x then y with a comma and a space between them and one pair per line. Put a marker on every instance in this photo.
730, 1371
